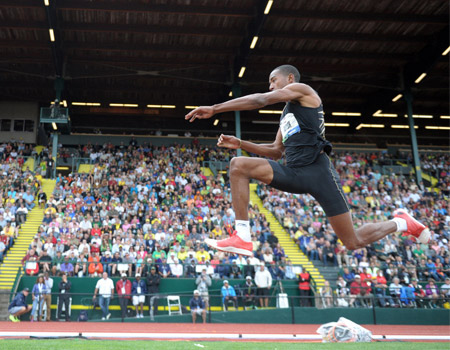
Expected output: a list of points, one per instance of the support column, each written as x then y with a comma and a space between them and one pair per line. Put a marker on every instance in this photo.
412, 132
54, 153
237, 115
59, 86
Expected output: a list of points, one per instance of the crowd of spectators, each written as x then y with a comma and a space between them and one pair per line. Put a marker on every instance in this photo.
144, 206
18, 189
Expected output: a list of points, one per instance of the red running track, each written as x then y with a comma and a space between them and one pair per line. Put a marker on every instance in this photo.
118, 327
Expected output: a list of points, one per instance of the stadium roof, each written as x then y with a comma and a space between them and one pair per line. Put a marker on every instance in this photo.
359, 55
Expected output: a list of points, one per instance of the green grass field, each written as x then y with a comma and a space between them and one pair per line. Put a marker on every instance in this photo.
68, 344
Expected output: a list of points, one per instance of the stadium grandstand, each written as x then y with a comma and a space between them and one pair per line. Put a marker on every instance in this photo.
101, 173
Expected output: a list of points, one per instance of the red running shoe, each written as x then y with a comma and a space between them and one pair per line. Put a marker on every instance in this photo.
415, 228
234, 244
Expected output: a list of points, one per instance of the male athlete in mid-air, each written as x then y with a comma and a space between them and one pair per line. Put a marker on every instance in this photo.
308, 169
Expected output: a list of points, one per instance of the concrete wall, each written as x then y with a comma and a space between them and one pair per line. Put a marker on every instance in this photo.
19, 111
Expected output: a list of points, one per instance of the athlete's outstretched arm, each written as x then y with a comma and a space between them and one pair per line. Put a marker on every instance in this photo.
274, 150
288, 93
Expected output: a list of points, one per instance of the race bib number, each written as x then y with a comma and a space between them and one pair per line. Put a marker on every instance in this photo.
289, 126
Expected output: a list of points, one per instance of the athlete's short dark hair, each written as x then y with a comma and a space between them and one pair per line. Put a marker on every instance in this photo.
287, 69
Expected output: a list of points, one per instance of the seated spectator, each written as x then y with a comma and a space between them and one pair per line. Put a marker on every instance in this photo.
57, 260
432, 292
222, 269
81, 266
348, 275
326, 293
107, 263
328, 256
45, 261
176, 269
248, 293
235, 271
228, 294
419, 293
380, 289
407, 296
341, 254
344, 298
115, 261
276, 271
21, 214
95, 266
289, 271
127, 264
202, 254
197, 307
209, 269
268, 256
432, 271
395, 289
164, 269
191, 270
272, 240
445, 291
2, 250
361, 291
31, 262
158, 255
66, 267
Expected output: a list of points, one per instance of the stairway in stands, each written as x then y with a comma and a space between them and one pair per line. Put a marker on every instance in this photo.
432, 180
290, 248
12, 261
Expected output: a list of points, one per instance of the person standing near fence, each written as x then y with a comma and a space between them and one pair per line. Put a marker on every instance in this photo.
48, 294
203, 282
123, 289
39, 289
105, 288
263, 280
153, 280
64, 287
305, 288
139, 290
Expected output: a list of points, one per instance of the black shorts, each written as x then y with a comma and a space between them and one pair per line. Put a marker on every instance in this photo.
262, 292
320, 179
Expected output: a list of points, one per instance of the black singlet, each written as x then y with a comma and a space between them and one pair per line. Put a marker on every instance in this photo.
303, 132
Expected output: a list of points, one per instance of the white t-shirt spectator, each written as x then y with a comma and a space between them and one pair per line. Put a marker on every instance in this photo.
263, 279
176, 269
104, 287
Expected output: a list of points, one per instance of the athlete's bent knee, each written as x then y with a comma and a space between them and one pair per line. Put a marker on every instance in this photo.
237, 165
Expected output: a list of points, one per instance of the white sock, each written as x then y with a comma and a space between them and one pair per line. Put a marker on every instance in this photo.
401, 224
243, 230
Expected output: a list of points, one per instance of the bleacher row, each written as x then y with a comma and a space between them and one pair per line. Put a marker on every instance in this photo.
143, 206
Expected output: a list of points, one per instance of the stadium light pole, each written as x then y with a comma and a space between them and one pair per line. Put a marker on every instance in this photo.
54, 153
412, 133
237, 115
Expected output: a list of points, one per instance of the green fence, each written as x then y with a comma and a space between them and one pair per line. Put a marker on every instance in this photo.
83, 288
